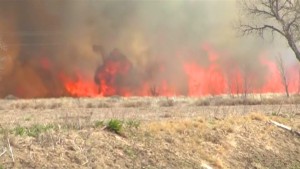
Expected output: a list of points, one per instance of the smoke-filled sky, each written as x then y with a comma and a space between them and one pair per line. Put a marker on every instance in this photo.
77, 35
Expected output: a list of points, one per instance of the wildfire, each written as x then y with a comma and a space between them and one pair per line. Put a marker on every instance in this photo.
114, 75
80, 87
117, 76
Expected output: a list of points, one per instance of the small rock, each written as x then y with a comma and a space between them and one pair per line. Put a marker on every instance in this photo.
205, 166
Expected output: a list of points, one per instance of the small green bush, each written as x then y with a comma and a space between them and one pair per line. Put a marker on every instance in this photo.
115, 125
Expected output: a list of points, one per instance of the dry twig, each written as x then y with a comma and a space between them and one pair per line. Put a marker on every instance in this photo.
4, 151
288, 128
10, 149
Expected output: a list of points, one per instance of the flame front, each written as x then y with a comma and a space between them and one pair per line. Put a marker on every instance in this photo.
116, 76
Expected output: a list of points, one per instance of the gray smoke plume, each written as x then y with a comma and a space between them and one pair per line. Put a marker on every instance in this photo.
45, 38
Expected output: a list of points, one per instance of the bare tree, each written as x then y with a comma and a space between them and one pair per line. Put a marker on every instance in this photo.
153, 91
233, 84
246, 81
282, 70
281, 17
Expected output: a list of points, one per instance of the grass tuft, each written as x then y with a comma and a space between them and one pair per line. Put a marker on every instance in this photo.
115, 125
33, 131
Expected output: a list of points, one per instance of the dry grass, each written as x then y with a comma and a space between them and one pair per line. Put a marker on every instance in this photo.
251, 100
112, 102
104, 105
136, 104
167, 102
215, 142
157, 133
78, 142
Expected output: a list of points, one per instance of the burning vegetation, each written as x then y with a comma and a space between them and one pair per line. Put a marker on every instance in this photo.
101, 48
117, 76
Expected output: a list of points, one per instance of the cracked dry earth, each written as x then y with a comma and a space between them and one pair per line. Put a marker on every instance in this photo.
174, 136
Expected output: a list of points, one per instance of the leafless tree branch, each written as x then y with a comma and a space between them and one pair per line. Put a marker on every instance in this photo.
280, 16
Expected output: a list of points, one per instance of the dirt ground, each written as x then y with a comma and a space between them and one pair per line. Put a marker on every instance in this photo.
156, 133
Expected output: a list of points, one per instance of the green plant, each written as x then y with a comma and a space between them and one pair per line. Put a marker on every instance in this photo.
20, 130
115, 125
32, 131
35, 130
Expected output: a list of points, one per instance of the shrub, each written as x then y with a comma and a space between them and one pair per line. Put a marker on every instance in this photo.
115, 125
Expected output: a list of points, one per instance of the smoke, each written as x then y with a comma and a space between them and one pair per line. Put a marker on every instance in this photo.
50, 39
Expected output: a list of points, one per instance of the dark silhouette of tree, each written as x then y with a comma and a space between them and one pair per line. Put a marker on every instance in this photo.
284, 78
281, 17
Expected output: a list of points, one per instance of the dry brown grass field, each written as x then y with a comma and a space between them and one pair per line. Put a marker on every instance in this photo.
154, 132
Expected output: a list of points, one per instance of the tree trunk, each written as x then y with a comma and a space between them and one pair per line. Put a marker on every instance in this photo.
287, 90
296, 51
293, 46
